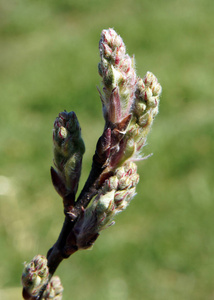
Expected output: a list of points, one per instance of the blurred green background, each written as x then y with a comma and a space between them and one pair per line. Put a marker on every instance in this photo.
162, 246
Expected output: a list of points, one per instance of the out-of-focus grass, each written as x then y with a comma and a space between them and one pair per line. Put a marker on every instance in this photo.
162, 246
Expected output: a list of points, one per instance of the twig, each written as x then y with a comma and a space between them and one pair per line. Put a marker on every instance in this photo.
130, 105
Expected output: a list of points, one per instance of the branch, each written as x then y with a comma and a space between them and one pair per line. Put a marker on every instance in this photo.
130, 105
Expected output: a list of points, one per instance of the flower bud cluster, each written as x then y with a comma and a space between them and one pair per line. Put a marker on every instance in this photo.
53, 290
127, 99
68, 151
35, 275
147, 98
119, 77
114, 196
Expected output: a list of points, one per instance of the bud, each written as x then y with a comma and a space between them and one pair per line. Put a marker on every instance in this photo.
117, 69
140, 108
156, 89
110, 184
145, 109
147, 91
123, 199
143, 120
120, 172
113, 40
120, 197
105, 204
127, 176
85, 232
147, 94
130, 167
122, 187
35, 275
53, 290
125, 182
149, 79
125, 96
155, 111
68, 151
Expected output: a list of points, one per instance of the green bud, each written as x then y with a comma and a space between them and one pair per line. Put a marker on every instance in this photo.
127, 176
130, 167
108, 78
147, 93
110, 184
140, 86
125, 182
135, 179
67, 138
120, 172
105, 203
68, 150
119, 197
124, 198
155, 111
156, 89
143, 120
153, 102
140, 108
149, 79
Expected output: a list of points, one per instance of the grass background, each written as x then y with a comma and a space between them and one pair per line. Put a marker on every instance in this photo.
162, 246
